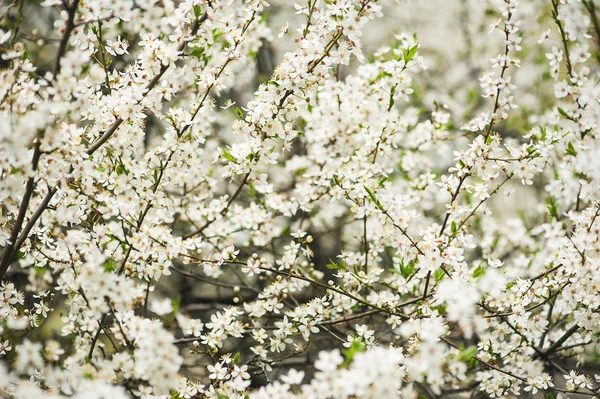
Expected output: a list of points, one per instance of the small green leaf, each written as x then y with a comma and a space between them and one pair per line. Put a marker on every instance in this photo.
468, 198
410, 53
438, 275
407, 270
479, 271
197, 11
175, 304
552, 207
334, 266
252, 190
373, 198
381, 75
236, 358
466, 355
349, 353
472, 96
217, 34
238, 112
562, 112
227, 155
110, 265
197, 52
571, 150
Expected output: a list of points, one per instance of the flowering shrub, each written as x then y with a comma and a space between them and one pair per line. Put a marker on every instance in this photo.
187, 214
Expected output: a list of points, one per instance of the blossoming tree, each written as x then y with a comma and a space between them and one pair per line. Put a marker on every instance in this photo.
187, 213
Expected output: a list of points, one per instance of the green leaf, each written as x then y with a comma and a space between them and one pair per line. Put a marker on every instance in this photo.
227, 155
410, 53
334, 266
571, 150
252, 190
110, 265
238, 112
407, 270
468, 198
380, 75
175, 304
562, 112
349, 353
236, 358
438, 275
552, 207
197, 52
263, 17
373, 198
472, 96
479, 271
197, 11
466, 355
217, 34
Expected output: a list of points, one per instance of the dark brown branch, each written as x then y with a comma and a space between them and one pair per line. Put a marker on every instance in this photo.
11, 248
